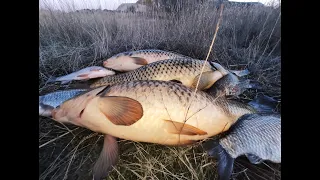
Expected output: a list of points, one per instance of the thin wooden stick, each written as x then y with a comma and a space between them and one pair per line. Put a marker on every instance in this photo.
213, 39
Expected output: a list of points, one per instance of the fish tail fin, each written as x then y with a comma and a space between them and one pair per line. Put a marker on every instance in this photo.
44, 110
263, 104
51, 79
225, 161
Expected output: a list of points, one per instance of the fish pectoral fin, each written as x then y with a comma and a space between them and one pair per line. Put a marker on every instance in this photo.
86, 75
108, 158
139, 61
120, 110
182, 128
254, 159
225, 161
207, 79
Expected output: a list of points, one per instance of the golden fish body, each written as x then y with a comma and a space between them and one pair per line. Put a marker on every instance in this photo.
152, 111
185, 70
131, 60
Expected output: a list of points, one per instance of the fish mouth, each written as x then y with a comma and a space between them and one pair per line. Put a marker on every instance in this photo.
106, 63
109, 65
58, 115
45, 110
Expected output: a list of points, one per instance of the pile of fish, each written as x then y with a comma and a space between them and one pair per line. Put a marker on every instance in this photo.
162, 97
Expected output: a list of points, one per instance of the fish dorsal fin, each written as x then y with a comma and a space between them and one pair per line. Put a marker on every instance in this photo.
207, 79
182, 128
120, 110
139, 61
108, 158
254, 159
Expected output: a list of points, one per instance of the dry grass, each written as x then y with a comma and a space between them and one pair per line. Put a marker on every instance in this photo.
69, 41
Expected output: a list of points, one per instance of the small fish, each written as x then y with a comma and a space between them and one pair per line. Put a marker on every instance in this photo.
52, 100
231, 84
148, 111
238, 73
183, 70
83, 74
257, 136
131, 60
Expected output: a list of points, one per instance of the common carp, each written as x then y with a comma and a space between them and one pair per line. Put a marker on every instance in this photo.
257, 136
184, 70
131, 60
149, 111
83, 74
231, 83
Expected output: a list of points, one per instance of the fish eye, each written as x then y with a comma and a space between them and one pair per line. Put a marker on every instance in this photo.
81, 113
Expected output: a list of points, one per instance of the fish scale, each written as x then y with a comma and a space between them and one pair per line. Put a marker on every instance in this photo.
148, 111
161, 101
52, 100
184, 70
257, 135
153, 52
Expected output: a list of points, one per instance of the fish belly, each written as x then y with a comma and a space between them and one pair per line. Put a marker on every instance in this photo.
157, 109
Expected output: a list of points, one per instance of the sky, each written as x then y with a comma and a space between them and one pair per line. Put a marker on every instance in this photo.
102, 4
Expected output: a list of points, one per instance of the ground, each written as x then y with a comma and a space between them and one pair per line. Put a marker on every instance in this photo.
247, 38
